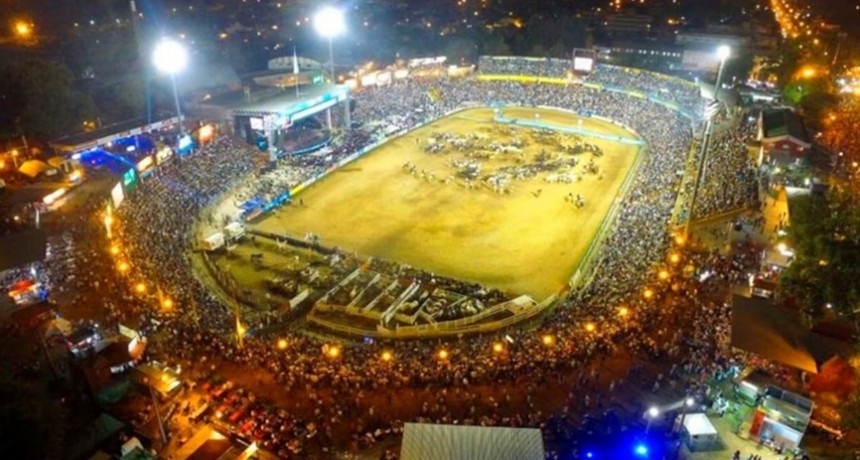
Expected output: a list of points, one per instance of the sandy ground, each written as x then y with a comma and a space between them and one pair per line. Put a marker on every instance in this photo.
521, 243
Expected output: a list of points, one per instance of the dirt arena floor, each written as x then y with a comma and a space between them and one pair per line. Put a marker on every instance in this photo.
527, 242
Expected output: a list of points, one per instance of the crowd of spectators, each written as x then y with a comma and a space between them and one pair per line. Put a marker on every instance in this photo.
670, 89
730, 179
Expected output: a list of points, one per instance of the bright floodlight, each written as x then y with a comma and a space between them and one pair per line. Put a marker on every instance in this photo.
653, 412
329, 22
170, 57
723, 52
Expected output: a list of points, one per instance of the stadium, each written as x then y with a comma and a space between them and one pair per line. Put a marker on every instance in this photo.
328, 280
459, 205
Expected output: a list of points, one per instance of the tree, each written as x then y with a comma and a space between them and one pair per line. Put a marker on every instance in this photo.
32, 422
460, 48
825, 233
494, 45
39, 99
739, 67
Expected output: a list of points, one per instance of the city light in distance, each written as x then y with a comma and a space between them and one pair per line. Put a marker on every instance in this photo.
23, 29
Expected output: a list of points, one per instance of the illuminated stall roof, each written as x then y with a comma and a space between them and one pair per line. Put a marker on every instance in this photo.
88, 140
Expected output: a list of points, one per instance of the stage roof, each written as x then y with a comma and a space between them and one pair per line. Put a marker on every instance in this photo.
457, 442
280, 101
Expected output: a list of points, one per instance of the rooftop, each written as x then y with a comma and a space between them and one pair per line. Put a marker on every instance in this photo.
458, 442
776, 333
784, 122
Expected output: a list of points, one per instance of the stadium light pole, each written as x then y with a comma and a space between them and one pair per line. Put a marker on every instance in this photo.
171, 57
329, 22
723, 54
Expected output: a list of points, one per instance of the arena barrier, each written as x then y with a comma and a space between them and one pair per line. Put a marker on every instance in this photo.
570, 129
437, 330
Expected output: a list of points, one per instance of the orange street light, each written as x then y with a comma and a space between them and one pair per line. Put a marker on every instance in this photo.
123, 266
386, 356
443, 354
680, 240
114, 249
282, 344
548, 340
23, 29
140, 288
648, 293
590, 327
333, 351
674, 257
663, 275
167, 304
623, 312
498, 347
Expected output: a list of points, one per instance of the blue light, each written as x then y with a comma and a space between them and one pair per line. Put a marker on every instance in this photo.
589, 455
641, 450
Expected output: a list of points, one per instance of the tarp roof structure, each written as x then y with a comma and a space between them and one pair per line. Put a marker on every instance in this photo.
32, 168
424, 441
775, 333
22, 248
699, 425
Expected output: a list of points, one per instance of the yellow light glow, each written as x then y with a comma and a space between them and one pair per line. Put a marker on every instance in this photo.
498, 347
680, 240
590, 327
168, 304
23, 29
386, 356
663, 275
140, 288
623, 312
648, 293
282, 344
443, 354
123, 267
114, 250
333, 351
674, 257
548, 340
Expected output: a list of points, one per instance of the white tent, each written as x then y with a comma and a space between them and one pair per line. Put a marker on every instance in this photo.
699, 432
213, 242
422, 441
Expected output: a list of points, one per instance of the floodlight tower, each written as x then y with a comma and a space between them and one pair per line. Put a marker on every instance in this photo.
330, 22
171, 57
723, 54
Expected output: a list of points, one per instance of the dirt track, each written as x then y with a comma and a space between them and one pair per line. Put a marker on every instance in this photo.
521, 243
